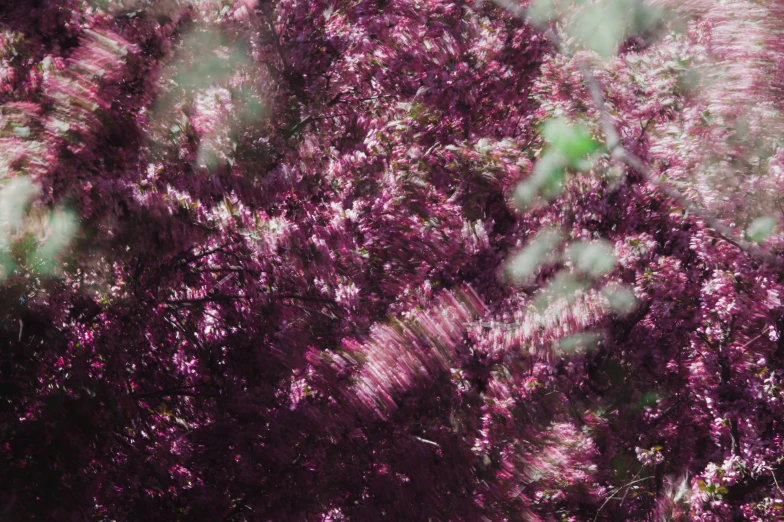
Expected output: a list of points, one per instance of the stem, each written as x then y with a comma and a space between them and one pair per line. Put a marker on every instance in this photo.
616, 492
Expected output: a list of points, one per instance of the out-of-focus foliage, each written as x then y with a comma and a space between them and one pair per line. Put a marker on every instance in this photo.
374, 260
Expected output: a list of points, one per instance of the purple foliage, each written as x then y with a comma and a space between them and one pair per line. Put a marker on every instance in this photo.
289, 296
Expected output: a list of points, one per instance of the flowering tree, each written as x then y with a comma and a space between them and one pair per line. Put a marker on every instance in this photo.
391, 259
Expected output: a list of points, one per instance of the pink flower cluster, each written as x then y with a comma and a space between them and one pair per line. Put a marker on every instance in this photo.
302, 287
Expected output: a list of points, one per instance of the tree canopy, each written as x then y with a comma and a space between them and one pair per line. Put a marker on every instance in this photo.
437, 260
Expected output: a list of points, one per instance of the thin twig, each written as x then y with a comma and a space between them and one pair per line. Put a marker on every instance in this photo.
420, 439
616, 492
775, 480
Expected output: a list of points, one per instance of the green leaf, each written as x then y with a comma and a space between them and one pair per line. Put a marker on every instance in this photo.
528, 260
649, 398
596, 258
583, 340
62, 227
61, 126
542, 11
761, 228
563, 286
602, 25
573, 141
15, 194
547, 180
621, 299
599, 28
22, 132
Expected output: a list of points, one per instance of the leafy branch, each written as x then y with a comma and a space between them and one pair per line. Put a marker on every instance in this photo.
633, 162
